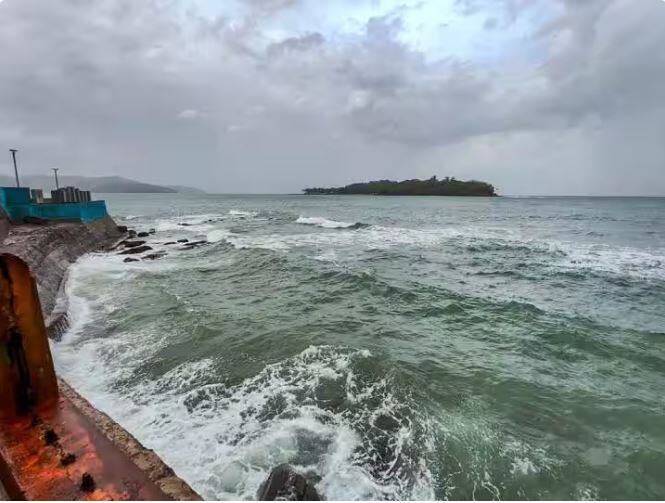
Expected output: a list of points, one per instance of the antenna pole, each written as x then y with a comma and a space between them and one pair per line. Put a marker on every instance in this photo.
13, 151
55, 171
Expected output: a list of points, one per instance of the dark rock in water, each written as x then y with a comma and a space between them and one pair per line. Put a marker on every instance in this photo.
130, 259
194, 244
57, 327
137, 249
35, 220
184, 240
169, 243
131, 233
152, 231
122, 228
154, 256
142, 235
132, 244
285, 484
184, 224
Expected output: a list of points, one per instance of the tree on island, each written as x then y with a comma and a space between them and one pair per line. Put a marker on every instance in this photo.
449, 186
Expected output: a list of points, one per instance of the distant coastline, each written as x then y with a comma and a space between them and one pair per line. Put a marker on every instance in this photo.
99, 184
432, 187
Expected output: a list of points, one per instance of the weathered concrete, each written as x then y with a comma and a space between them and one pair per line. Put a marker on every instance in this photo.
150, 463
50, 249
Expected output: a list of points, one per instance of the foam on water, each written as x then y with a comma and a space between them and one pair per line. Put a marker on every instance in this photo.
310, 410
225, 439
243, 213
324, 222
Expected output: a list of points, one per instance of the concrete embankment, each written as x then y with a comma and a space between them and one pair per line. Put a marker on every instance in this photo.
49, 250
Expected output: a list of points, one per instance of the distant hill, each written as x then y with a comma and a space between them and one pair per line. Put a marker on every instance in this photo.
99, 184
432, 187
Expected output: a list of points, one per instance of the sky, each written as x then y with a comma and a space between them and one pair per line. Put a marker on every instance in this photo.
542, 97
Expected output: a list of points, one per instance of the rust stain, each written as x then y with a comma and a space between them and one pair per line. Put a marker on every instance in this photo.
37, 469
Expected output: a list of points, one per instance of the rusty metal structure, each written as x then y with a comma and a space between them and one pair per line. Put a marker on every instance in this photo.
49, 449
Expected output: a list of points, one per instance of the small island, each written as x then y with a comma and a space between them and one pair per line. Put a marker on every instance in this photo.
432, 187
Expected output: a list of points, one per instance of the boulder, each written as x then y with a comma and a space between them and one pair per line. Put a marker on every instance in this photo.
285, 484
122, 228
142, 235
169, 243
137, 249
184, 240
132, 244
130, 259
131, 233
194, 244
154, 256
152, 231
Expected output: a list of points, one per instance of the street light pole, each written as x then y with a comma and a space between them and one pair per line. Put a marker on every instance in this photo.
55, 170
13, 151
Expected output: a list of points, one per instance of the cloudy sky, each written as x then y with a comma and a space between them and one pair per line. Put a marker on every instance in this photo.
535, 96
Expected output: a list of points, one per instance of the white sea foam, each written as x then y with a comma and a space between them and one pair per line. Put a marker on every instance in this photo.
324, 222
218, 235
243, 213
225, 439
190, 223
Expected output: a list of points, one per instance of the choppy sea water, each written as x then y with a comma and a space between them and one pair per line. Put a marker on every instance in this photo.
389, 348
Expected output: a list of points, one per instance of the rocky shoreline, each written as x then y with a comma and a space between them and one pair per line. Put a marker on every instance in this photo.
49, 248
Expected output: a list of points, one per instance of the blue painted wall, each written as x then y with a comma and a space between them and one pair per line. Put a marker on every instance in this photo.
16, 202
14, 195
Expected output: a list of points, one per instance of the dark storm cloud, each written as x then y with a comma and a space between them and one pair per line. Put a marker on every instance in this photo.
141, 89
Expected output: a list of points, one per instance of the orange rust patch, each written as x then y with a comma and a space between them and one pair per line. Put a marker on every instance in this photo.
33, 470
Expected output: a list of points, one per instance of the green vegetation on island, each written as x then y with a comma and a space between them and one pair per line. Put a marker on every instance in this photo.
432, 187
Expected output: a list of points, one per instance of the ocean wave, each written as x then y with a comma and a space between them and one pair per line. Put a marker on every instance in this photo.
314, 411
330, 224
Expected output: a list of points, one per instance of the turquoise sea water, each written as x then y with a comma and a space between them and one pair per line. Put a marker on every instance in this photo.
389, 348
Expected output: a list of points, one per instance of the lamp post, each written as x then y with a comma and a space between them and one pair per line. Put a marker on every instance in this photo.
55, 171
13, 151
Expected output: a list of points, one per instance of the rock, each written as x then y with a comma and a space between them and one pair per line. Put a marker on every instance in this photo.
285, 484
122, 228
137, 249
35, 220
142, 235
132, 244
153, 256
130, 259
169, 243
194, 244
57, 326
152, 231
184, 240
131, 233
184, 224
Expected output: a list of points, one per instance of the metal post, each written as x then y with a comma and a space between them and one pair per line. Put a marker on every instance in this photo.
13, 151
55, 170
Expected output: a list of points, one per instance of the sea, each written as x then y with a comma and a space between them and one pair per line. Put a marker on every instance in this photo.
386, 347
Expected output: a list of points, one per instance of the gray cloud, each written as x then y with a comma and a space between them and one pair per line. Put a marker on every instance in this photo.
136, 89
